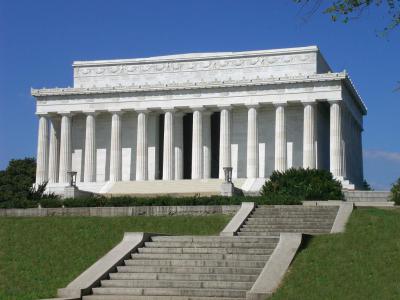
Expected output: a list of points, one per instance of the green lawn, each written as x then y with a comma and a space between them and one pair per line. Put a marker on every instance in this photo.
39, 255
362, 263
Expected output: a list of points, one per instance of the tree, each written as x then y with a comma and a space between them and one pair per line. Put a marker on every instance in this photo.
346, 10
17, 179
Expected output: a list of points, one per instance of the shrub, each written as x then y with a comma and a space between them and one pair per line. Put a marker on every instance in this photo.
303, 184
100, 201
395, 192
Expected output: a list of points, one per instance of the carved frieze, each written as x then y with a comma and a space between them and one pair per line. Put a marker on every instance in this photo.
188, 66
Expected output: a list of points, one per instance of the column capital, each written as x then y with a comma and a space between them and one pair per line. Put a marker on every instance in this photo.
66, 113
252, 105
116, 112
42, 114
308, 102
90, 112
227, 107
280, 103
168, 109
335, 101
142, 110
197, 108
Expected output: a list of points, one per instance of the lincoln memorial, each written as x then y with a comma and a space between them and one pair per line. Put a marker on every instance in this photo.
185, 117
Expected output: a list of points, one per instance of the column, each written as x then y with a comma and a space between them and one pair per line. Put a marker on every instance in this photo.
168, 154
309, 136
197, 144
336, 152
207, 144
42, 151
54, 149
141, 146
252, 142
224, 140
178, 123
90, 148
115, 149
280, 138
65, 148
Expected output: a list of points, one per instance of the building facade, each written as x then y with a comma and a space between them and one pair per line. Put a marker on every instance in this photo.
187, 116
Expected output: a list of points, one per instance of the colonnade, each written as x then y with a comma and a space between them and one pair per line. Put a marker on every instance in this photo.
54, 156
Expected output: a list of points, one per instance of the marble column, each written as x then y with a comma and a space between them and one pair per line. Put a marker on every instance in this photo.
280, 138
207, 144
90, 148
54, 149
42, 151
168, 153
309, 136
141, 146
197, 144
178, 123
252, 142
65, 148
115, 149
336, 150
224, 140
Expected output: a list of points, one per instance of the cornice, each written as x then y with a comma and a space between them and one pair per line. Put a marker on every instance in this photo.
196, 57
254, 82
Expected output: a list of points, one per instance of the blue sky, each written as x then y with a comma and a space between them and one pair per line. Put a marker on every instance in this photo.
39, 40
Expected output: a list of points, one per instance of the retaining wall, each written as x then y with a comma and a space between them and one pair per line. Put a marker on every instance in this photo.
197, 210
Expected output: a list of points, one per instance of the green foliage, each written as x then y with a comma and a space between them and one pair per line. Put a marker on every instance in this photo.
303, 184
17, 179
366, 186
99, 201
395, 192
346, 10
16, 185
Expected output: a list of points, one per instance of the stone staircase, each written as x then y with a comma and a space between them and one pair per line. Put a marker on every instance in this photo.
203, 187
210, 267
272, 220
189, 268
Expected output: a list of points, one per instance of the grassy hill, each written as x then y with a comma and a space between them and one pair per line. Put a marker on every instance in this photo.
362, 263
39, 255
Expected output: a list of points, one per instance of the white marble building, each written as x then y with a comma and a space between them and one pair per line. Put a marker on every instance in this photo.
186, 116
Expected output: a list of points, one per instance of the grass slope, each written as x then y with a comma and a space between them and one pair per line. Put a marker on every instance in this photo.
362, 263
39, 255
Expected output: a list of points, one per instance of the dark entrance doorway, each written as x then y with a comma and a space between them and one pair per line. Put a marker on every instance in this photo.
215, 121
187, 145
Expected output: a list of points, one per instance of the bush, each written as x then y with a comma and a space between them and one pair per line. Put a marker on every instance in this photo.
100, 201
395, 192
303, 184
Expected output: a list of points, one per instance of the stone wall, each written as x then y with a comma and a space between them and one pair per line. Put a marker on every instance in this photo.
198, 210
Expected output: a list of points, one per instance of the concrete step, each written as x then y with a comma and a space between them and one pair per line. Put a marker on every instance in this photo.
275, 227
194, 277
170, 292
295, 208
195, 263
190, 270
292, 214
277, 233
228, 239
290, 222
196, 256
203, 284
247, 251
209, 245
131, 297
268, 221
